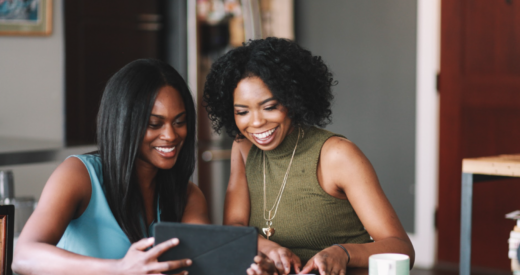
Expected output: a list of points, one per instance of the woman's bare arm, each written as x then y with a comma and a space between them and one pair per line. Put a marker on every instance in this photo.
196, 210
237, 204
65, 196
344, 172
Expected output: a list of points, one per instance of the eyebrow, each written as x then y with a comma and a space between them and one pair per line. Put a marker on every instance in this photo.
162, 117
260, 104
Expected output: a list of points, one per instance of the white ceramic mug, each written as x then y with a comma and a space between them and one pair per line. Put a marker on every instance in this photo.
389, 264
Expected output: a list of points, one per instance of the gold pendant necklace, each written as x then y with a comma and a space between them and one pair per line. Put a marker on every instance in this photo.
269, 231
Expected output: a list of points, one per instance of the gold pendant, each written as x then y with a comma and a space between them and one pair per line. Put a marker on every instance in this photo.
268, 231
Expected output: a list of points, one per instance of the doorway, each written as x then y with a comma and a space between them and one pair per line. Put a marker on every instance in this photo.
100, 38
479, 116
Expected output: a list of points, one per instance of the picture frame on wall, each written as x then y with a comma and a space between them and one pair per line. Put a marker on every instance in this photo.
26, 17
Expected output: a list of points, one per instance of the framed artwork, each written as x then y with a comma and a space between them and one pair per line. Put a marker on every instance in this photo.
25, 17
6, 238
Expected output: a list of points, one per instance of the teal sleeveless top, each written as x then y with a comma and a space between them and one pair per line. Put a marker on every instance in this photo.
308, 218
96, 232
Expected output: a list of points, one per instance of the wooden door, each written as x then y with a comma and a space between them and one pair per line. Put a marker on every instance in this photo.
479, 116
100, 38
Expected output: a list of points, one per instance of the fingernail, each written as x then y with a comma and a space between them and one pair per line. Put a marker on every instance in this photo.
175, 241
185, 272
188, 262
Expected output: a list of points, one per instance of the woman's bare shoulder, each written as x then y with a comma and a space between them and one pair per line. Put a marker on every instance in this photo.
342, 162
242, 147
339, 148
67, 192
71, 170
71, 183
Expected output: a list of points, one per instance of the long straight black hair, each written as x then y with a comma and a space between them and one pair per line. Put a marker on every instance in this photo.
122, 121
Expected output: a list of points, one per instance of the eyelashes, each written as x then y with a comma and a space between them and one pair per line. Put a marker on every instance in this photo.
272, 107
268, 108
155, 125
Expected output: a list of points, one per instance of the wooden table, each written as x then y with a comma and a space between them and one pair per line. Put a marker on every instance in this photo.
478, 170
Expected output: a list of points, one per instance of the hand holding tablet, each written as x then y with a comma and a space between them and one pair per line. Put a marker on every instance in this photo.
212, 249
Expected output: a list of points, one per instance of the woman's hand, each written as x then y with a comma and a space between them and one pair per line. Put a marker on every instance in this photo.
331, 260
262, 266
138, 260
282, 257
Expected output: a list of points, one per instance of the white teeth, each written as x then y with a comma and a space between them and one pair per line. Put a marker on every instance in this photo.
264, 134
165, 150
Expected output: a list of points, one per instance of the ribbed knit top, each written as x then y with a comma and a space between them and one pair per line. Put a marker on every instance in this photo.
308, 218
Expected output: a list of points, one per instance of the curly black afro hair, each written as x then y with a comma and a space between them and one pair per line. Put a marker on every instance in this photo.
298, 80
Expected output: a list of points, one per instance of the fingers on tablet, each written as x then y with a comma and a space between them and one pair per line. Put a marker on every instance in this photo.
162, 247
143, 244
286, 264
178, 264
172, 265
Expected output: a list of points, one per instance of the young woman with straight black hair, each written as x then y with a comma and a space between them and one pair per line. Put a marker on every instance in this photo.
96, 211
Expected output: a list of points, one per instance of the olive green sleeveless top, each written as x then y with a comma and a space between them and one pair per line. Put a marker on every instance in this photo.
308, 219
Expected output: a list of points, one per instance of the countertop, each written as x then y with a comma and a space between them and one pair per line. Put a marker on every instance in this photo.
14, 151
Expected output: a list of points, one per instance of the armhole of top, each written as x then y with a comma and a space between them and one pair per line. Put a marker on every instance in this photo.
249, 154
91, 186
316, 173
246, 160
251, 150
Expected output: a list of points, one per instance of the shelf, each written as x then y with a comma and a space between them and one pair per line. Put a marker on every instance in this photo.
15, 151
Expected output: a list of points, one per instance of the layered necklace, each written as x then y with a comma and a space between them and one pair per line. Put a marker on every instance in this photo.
271, 213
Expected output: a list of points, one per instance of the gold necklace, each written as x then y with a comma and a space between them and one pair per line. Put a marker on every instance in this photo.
269, 231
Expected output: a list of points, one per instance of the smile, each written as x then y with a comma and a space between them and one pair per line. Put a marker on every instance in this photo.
265, 134
165, 149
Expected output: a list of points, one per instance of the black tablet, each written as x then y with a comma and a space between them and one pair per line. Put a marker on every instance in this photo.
214, 249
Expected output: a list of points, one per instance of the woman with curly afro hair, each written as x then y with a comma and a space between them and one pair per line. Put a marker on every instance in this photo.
312, 194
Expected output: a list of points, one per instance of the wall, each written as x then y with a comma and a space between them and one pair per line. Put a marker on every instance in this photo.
31, 96
371, 48
383, 51
32, 83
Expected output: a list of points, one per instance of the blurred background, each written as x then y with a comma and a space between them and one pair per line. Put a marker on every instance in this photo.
387, 56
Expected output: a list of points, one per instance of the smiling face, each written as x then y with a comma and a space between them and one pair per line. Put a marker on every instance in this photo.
166, 131
258, 116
